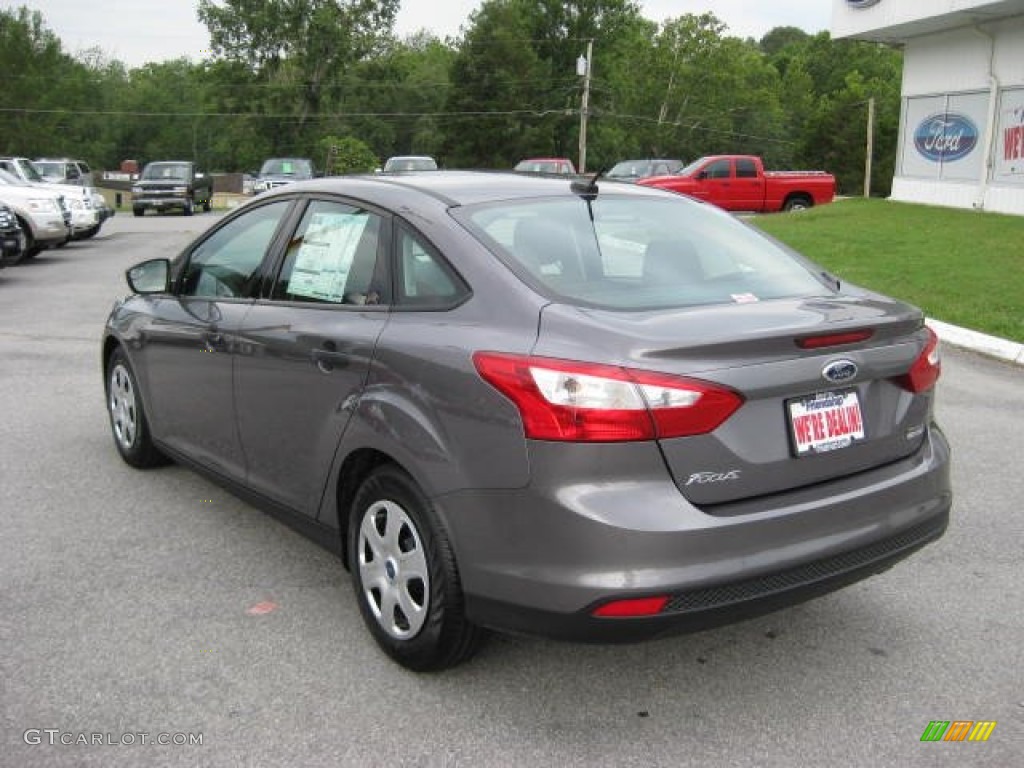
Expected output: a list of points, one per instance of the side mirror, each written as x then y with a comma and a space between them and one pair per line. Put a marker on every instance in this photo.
702, 175
151, 276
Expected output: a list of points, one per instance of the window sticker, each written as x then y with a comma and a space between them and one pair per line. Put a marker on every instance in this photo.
325, 256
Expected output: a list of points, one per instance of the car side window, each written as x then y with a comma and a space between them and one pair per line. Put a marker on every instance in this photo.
334, 257
226, 264
424, 279
719, 169
746, 168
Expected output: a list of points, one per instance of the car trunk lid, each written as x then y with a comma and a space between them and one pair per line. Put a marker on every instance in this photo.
809, 414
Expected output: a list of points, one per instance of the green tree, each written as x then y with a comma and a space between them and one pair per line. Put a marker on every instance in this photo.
826, 88
350, 155
301, 46
499, 89
45, 90
394, 101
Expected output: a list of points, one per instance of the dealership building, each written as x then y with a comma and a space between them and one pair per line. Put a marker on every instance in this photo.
961, 138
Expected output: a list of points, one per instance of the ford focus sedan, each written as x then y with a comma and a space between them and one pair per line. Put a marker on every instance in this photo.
583, 411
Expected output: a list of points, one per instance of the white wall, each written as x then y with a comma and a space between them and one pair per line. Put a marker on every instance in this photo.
951, 62
914, 17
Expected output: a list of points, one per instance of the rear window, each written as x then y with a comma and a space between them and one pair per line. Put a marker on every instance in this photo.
638, 253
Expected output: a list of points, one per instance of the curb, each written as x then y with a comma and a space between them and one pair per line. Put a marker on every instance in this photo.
992, 346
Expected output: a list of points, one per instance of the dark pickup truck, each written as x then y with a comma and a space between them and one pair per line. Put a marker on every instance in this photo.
172, 184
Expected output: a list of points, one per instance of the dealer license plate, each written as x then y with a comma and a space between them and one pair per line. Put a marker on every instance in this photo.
826, 421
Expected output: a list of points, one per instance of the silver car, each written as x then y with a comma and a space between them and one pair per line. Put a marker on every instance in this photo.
597, 412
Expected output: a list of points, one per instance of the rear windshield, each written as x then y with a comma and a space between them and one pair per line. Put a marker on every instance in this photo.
639, 253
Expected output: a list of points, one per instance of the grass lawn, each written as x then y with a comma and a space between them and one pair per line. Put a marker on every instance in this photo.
962, 267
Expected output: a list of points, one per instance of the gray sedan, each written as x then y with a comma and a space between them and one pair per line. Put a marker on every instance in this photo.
586, 411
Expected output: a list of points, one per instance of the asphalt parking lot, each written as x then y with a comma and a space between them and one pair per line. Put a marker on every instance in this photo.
157, 603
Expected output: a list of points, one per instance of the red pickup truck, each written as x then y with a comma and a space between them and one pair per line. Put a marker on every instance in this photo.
740, 183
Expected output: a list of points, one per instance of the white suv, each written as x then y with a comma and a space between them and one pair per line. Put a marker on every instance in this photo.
80, 201
41, 213
61, 170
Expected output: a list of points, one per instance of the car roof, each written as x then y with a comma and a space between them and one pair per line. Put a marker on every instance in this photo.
650, 160
453, 188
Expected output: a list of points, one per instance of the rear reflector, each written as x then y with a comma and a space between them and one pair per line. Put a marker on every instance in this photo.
639, 606
926, 368
568, 400
834, 339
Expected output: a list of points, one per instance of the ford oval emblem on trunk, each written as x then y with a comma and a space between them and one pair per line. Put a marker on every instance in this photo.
839, 371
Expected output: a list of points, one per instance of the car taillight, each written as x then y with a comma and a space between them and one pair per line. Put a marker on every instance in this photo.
834, 339
926, 368
633, 607
588, 402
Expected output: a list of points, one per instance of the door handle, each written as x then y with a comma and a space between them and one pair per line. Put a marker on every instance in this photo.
328, 356
213, 341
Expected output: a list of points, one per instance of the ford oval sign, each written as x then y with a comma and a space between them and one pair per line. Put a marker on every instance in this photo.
945, 137
840, 371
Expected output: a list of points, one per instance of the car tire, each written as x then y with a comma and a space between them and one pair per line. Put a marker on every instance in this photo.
128, 423
405, 576
31, 249
798, 203
189, 207
138, 211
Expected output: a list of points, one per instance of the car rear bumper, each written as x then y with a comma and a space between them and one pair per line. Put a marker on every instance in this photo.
541, 561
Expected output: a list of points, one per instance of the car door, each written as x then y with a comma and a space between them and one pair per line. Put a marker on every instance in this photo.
748, 186
304, 351
189, 340
715, 183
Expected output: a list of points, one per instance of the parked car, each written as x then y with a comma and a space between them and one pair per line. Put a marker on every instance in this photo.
42, 214
588, 411
740, 183
172, 184
12, 238
410, 163
64, 170
278, 171
550, 165
80, 201
634, 170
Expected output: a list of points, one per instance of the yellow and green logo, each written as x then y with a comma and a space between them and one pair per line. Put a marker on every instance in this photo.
958, 730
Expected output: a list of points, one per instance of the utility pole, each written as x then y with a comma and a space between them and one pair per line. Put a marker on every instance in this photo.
870, 148
583, 70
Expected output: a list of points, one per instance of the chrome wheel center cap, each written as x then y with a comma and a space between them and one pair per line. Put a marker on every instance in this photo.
391, 570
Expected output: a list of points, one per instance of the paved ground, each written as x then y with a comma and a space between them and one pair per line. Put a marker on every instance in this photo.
126, 597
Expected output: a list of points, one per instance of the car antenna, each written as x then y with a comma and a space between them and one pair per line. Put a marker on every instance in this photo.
588, 189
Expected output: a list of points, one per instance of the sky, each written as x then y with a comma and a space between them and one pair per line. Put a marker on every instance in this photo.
139, 31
